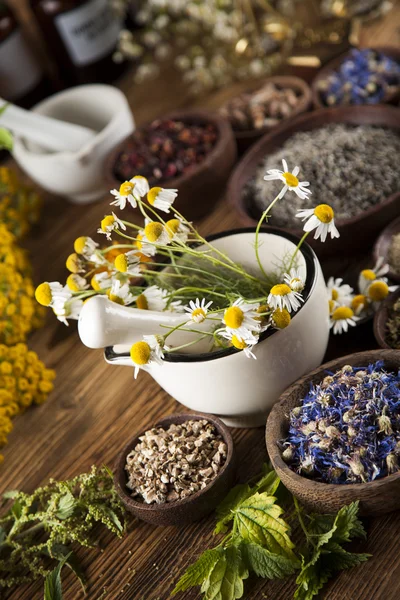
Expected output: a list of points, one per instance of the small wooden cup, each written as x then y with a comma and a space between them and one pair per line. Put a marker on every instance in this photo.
382, 246
376, 497
193, 507
381, 317
202, 186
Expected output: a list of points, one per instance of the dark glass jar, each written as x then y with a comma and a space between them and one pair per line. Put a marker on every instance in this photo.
82, 36
22, 79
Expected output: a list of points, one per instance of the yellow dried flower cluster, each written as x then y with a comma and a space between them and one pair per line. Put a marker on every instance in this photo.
24, 380
19, 206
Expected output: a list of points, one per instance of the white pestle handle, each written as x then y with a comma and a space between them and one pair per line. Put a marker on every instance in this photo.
104, 323
51, 134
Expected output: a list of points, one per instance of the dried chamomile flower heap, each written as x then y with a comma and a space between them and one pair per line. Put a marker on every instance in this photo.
347, 429
19, 206
216, 297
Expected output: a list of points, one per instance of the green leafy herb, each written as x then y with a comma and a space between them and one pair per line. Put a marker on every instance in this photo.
42, 527
6, 139
52, 583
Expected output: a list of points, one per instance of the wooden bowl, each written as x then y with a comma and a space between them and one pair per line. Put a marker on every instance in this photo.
381, 317
334, 64
245, 138
376, 497
357, 232
203, 185
382, 246
197, 505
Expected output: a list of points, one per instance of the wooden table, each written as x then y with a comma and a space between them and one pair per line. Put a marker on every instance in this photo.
95, 408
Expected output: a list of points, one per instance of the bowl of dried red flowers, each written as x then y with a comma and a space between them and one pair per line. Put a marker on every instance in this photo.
193, 151
176, 471
334, 436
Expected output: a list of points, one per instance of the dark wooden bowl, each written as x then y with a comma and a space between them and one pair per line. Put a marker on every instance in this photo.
357, 232
334, 64
197, 505
203, 185
382, 246
246, 138
376, 497
381, 317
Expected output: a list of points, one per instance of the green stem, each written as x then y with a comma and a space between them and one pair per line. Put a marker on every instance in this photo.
299, 245
257, 245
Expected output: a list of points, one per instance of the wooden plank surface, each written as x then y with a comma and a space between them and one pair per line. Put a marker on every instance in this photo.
95, 408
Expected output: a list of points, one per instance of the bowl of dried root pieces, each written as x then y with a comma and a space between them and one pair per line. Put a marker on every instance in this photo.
334, 436
177, 470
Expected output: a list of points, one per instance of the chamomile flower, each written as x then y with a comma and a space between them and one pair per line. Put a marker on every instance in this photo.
146, 352
378, 290
155, 233
341, 318
143, 246
155, 298
75, 264
280, 318
339, 292
76, 283
109, 224
245, 343
85, 246
130, 191
67, 308
320, 218
241, 319
177, 230
47, 293
101, 281
294, 280
120, 293
359, 303
367, 276
197, 310
282, 296
290, 180
128, 262
161, 198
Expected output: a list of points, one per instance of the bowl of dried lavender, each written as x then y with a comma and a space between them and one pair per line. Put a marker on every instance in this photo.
334, 436
176, 471
193, 151
387, 322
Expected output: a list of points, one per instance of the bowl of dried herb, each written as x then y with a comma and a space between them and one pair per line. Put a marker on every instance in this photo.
387, 322
177, 470
388, 246
334, 436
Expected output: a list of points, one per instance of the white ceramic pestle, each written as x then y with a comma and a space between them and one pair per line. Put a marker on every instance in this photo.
51, 134
104, 323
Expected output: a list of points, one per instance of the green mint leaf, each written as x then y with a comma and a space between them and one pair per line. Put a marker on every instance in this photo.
339, 559
6, 139
348, 525
225, 510
66, 506
199, 571
258, 520
52, 583
267, 564
225, 581
311, 578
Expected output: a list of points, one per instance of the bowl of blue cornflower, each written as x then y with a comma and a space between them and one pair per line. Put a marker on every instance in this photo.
334, 436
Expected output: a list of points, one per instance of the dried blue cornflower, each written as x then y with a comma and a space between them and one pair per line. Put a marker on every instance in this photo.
347, 428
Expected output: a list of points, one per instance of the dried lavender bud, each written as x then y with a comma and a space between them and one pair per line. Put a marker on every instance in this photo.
171, 464
360, 427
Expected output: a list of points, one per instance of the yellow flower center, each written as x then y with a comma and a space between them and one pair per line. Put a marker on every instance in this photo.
282, 289
152, 195
141, 302
107, 222
79, 244
291, 180
121, 263
378, 290
368, 274
172, 227
95, 284
238, 343
263, 308
73, 263
335, 294
126, 188
343, 312
72, 283
324, 213
359, 301
43, 294
281, 318
116, 299
139, 238
198, 312
331, 306
140, 353
233, 317
153, 231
